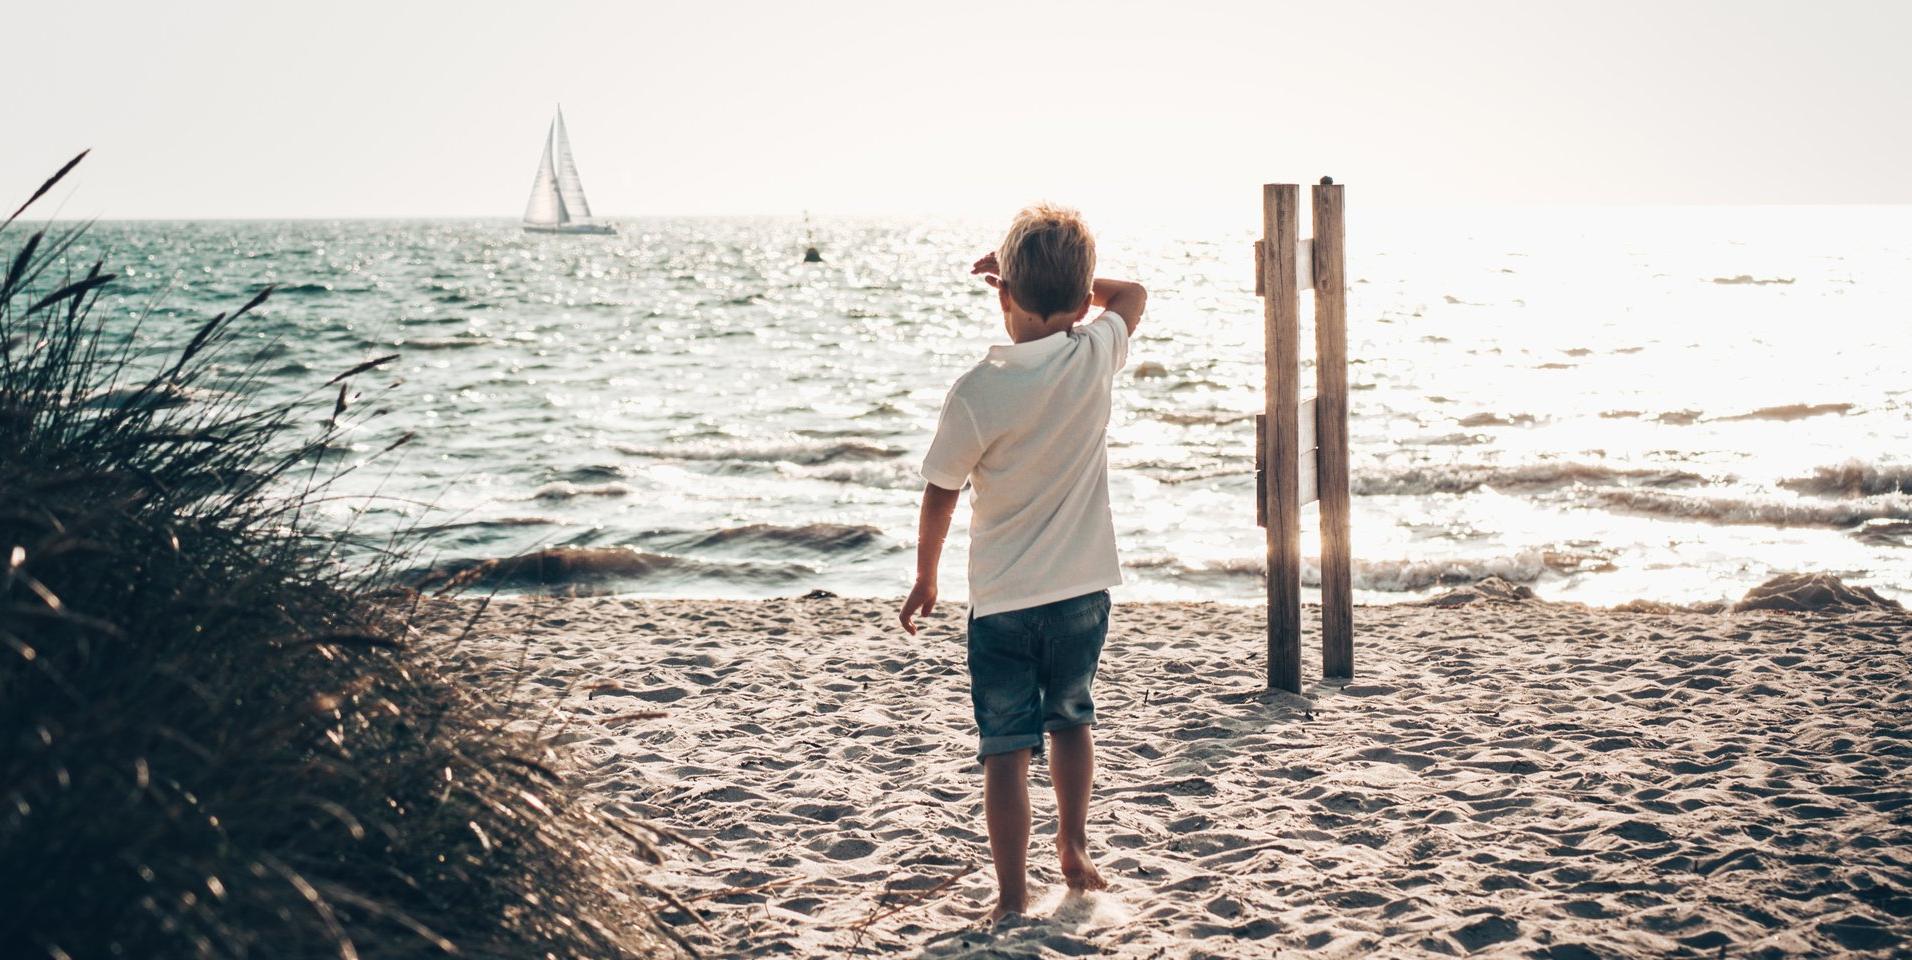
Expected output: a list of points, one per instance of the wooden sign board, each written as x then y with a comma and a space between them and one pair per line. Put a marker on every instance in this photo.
1307, 467
1304, 266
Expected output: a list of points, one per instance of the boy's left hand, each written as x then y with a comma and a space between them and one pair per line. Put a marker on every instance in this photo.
922, 600
990, 270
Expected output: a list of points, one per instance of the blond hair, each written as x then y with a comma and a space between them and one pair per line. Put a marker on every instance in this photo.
1048, 259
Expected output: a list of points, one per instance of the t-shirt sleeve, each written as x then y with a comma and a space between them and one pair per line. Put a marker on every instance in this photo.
956, 448
1114, 332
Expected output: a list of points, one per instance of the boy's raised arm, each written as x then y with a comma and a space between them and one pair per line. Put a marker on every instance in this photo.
1124, 298
932, 527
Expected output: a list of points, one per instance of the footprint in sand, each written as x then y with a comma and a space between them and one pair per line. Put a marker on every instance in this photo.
850, 848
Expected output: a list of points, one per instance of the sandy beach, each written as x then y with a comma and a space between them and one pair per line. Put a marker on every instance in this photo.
1504, 776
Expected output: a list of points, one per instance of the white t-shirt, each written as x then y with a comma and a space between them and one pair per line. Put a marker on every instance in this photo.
1028, 428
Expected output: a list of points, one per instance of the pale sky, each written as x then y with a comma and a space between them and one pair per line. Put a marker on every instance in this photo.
415, 108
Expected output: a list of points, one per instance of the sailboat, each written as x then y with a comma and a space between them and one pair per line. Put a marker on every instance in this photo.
557, 203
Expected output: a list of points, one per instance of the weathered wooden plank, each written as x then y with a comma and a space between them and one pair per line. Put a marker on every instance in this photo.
1281, 309
1307, 479
1261, 268
1331, 421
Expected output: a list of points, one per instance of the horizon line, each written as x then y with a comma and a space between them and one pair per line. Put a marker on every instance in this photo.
949, 215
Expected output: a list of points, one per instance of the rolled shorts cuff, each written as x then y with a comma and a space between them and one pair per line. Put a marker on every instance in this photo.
1060, 723
991, 746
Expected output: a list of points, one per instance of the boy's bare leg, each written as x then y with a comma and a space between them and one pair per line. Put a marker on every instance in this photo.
1006, 809
1072, 768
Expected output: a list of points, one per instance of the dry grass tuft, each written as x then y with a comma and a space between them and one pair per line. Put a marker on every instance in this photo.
220, 740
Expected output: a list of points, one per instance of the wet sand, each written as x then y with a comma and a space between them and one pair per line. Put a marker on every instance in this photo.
1503, 777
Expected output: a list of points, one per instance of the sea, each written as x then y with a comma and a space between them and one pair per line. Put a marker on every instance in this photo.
1603, 404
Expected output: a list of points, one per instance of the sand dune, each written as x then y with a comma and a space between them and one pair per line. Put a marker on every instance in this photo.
1505, 777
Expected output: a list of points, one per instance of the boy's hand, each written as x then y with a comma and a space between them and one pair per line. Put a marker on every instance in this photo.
922, 600
991, 271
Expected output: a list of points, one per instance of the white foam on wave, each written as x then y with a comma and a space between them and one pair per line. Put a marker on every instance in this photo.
893, 475
566, 490
1761, 512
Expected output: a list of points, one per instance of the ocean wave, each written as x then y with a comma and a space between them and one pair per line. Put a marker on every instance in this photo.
566, 490
1739, 511
1885, 533
593, 473
1854, 478
1381, 576
1466, 478
588, 569
1202, 417
893, 475
807, 452
1497, 420
882, 409
1793, 411
811, 537
1445, 479
1749, 279
494, 522
1197, 383
445, 343
1184, 473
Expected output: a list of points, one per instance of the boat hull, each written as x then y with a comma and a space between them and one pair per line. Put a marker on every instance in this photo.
595, 229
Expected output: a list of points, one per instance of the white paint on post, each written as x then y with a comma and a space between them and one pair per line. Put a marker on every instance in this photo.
1307, 464
1305, 425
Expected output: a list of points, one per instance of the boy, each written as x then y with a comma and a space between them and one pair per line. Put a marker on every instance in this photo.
1026, 428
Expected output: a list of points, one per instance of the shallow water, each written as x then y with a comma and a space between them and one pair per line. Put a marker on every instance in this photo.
1610, 404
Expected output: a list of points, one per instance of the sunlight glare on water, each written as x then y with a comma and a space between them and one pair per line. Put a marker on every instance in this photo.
1606, 404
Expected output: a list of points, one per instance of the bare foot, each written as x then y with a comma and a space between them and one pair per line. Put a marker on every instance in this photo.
1077, 871
1006, 908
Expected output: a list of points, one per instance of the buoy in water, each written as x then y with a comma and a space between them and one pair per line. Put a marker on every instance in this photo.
810, 255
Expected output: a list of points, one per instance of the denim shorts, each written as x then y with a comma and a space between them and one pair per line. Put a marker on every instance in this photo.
1031, 671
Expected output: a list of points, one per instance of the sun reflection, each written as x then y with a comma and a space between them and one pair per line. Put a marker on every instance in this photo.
1597, 404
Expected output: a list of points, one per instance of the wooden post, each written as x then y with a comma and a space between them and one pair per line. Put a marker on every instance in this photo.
1331, 431
1281, 313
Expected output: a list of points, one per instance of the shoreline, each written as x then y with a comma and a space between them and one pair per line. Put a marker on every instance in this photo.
1502, 774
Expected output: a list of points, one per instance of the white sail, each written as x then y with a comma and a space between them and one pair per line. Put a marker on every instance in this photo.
570, 188
546, 206
557, 203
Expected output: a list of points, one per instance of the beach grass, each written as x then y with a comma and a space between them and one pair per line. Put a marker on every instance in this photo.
221, 739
